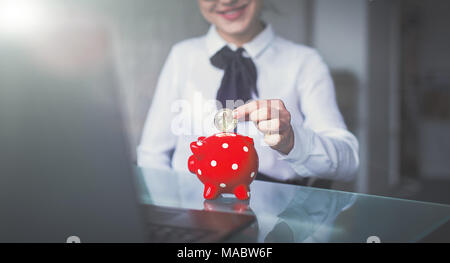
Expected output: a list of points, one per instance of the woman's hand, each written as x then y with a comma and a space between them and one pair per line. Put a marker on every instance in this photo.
273, 119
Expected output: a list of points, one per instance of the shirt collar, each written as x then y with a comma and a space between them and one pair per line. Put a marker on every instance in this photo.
214, 42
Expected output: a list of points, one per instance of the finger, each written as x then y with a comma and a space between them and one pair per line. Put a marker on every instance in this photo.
263, 114
272, 139
269, 126
243, 112
277, 104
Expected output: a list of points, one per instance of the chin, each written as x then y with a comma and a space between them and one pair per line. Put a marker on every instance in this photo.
236, 28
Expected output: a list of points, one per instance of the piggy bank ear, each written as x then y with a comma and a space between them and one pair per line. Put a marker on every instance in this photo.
196, 148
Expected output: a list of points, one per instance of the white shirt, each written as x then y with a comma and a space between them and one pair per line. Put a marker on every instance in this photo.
181, 110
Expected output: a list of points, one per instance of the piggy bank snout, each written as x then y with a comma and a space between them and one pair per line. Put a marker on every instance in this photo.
192, 162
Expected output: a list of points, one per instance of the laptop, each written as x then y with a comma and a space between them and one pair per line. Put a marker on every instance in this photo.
65, 168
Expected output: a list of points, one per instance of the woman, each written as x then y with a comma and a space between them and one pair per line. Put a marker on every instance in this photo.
298, 130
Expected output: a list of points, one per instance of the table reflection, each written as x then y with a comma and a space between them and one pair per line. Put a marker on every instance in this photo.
284, 213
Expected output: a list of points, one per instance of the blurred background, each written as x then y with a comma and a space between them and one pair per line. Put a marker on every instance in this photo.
390, 60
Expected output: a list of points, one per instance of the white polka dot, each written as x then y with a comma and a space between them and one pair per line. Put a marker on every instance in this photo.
245, 149
199, 172
213, 163
225, 145
252, 174
234, 166
248, 194
199, 143
223, 185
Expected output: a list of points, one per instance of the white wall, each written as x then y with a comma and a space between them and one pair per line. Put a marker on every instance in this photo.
361, 38
434, 67
288, 18
340, 34
383, 104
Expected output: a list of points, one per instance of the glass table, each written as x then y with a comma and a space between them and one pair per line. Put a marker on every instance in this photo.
290, 213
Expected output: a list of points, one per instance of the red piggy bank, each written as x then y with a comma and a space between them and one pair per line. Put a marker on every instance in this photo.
225, 163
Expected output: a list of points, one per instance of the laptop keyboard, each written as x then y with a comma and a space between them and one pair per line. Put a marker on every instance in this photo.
161, 233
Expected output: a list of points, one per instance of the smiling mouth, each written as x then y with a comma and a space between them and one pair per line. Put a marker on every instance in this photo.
233, 13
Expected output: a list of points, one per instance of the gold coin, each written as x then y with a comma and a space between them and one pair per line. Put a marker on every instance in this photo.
224, 121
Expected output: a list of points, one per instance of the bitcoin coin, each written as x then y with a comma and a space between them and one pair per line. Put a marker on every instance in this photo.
224, 121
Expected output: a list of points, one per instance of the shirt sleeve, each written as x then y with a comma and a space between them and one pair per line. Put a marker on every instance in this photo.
323, 147
157, 141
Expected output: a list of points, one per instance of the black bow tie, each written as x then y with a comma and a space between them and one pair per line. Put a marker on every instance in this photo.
239, 80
